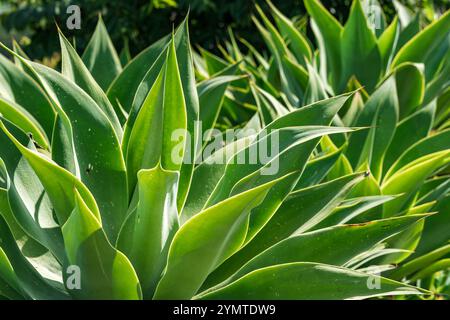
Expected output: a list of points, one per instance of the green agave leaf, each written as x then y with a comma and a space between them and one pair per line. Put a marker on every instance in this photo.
62, 151
122, 90
97, 150
200, 67
163, 112
436, 230
421, 208
291, 160
410, 178
380, 114
149, 230
58, 182
388, 42
41, 258
187, 75
341, 168
340, 139
433, 189
298, 73
369, 186
125, 54
315, 90
28, 281
22, 119
295, 147
317, 169
437, 266
320, 113
18, 49
421, 46
231, 70
211, 94
16, 86
318, 202
206, 176
436, 61
101, 58
410, 130
258, 56
142, 92
315, 204
105, 272
336, 245
37, 255
360, 54
408, 32
328, 34
213, 63
205, 241
410, 83
234, 112
443, 113
409, 238
298, 42
355, 210
445, 125
277, 46
9, 285
309, 281
233, 53
431, 144
273, 76
315, 114
148, 79
269, 107
421, 262
5, 209
439, 84
261, 215
26, 195
354, 109
74, 69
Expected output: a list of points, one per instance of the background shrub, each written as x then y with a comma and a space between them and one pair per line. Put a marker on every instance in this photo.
140, 22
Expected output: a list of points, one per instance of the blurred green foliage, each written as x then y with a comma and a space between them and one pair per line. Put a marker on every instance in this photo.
141, 22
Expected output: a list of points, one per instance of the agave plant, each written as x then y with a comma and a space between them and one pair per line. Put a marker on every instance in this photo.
95, 205
400, 73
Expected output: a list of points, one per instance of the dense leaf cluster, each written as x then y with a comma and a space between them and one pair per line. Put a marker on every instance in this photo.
93, 204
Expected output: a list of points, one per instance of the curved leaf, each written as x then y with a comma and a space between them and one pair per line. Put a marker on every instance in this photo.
360, 54
328, 34
309, 281
30, 282
428, 145
97, 149
149, 230
424, 43
205, 241
408, 179
105, 273
380, 114
315, 203
162, 115
17, 86
101, 58
336, 245
74, 69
